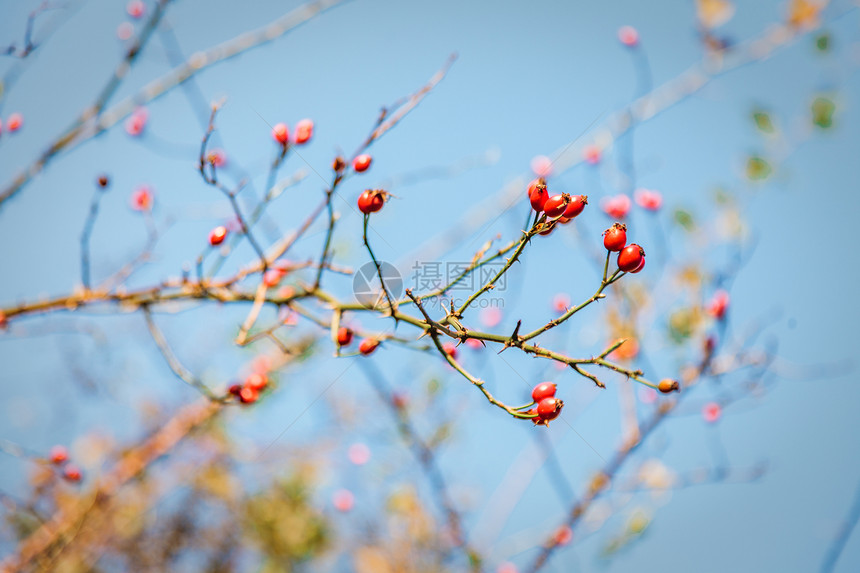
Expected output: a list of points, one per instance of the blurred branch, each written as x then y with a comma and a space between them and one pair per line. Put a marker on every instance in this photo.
95, 119
53, 534
839, 542
426, 457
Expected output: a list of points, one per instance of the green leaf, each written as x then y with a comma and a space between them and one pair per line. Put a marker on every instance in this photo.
763, 122
685, 220
758, 168
822, 112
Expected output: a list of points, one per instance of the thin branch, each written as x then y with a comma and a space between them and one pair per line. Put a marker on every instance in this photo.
181, 371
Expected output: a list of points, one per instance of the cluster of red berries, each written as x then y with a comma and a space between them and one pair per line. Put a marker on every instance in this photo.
59, 456
249, 391
344, 338
548, 407
631, 258
304, 132
560, 208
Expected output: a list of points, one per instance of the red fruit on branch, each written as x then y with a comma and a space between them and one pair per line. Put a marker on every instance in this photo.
667, 386
248, 395
450, 350
344, 336
575, 207
362, 162
556, 205
14, 122
368, 345
631, 257
135, 8
72, 473
628, 36
549, 409
537, 194
719, 304
272, 277
58, 455
281, 133
217, 235
304, 131
371, 200
615, 237
257, 382
543, 390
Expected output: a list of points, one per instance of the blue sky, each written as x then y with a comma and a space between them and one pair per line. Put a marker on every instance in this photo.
529, 78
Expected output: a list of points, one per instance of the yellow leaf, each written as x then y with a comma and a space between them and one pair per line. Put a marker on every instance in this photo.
370, 560
805, 13
714, 13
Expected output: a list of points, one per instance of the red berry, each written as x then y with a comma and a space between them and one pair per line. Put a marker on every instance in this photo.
628, 36
667, 386
576, 205
281, 133
217, 158
59, 454
257, 381
648, 199
591, 154
615, 237
543, 390
640, 266
371, 201
368, 345
135, 8
549, 227
563, 535
304, 131
217, 235
272, 277
537, 194
234, 389
616, 207
343, 500
719, 304
14, 122
344, 335
711, 412
141, 199
136, 122
71, 472
450, 350
248, 395
4, 320
399, 400
549, 409
630, 257
362, 162
556, 205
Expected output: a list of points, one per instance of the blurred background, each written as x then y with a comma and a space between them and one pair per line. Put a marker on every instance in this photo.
757, 169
